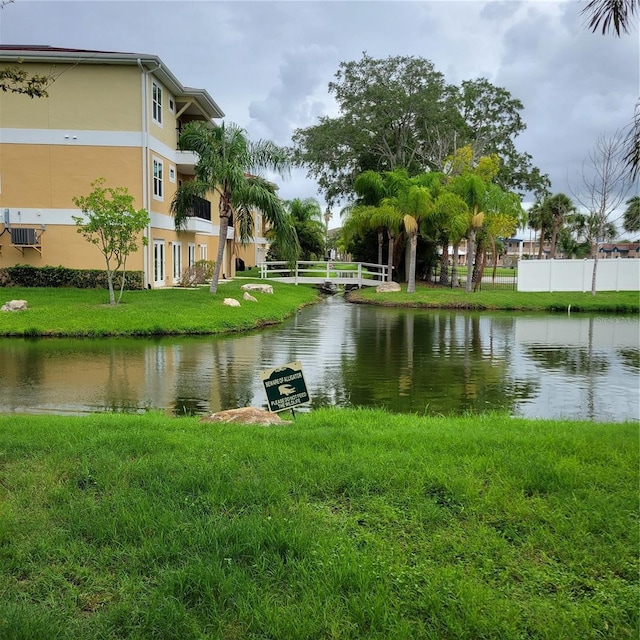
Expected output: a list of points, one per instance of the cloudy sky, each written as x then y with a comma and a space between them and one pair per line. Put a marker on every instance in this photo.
268, 63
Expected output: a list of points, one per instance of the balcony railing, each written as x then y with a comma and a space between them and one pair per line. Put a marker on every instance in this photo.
201, 209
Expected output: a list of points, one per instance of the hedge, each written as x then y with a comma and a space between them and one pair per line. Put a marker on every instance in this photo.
23, 275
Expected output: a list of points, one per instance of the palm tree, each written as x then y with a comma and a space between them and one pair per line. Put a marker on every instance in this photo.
306, 218
539, 220
472, 189
415, 202
616, 14
559, 206
631, 216
229, 165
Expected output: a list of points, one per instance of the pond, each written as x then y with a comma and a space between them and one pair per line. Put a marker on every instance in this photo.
410, 361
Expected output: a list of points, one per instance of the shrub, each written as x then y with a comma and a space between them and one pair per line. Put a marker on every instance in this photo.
198, 273
23, 275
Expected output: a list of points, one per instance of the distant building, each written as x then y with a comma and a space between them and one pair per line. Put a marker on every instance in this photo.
111, 115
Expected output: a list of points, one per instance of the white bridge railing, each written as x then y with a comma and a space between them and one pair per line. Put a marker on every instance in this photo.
359, 274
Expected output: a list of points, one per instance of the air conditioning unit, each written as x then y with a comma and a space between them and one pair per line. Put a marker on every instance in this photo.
21, 236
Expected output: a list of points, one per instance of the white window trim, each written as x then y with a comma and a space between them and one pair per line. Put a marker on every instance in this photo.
160, 182
176, 257
172, 105
203, 252
156, 105
159, 266
191, 254
172, 173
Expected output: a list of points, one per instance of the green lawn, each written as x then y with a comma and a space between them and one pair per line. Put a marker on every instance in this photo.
86, 312
427, 296
343, 525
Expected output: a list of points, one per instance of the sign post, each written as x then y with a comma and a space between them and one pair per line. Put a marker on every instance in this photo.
285, 387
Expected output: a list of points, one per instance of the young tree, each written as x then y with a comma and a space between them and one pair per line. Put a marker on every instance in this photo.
229, 165
604, 188
113, 224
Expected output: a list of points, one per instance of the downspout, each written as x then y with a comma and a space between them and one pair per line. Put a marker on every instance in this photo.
147, 250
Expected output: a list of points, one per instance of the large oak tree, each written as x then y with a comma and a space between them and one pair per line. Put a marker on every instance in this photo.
399, 113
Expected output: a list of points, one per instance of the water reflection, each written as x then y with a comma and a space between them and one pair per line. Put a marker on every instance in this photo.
404, 360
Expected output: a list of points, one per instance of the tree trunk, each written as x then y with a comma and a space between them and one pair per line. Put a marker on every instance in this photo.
554, 241
112, 296
479, 272
380, 243
540, 248
595, 269
413, 244
390, 244
454, 266
225, 214
444, 263
470, 246
495, 259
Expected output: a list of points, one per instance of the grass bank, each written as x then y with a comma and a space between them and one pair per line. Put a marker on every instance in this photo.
85, 312
431, 297
343, 525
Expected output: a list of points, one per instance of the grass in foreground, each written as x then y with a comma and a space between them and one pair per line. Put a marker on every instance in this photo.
85, 312
439, 297
344, 525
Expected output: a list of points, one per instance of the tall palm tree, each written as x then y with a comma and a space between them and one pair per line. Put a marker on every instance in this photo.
473, 190
631, 216
229, 165
415, 202
306, 217
559, 206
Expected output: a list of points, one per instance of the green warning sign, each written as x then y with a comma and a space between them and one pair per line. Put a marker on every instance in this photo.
285, 387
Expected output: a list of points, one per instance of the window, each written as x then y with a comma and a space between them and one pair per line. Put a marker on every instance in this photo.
177, 262
203, 252
172, 105
157, 103
172, 173
157, 179
191, 254
158, 263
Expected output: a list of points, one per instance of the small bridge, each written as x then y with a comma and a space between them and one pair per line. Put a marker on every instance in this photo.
355, 274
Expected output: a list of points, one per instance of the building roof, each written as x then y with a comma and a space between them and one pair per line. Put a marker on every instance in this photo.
12, 53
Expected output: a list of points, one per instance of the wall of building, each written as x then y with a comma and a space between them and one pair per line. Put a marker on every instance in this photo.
92, 125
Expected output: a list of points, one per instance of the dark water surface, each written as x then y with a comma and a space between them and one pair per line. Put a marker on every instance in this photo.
424, 362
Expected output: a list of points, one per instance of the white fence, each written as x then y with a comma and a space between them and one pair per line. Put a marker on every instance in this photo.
575, 275
318, 272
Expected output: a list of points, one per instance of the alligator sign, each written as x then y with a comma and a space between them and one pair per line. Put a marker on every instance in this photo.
285, 387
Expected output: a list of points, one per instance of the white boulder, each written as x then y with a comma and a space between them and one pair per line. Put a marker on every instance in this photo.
386, 287
231, 302
247, 296
14, 305
261, 288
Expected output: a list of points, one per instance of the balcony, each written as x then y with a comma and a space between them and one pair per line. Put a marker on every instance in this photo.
186, 162
199, 218
201, 209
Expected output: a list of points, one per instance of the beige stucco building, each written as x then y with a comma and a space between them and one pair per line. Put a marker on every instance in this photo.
111, 115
